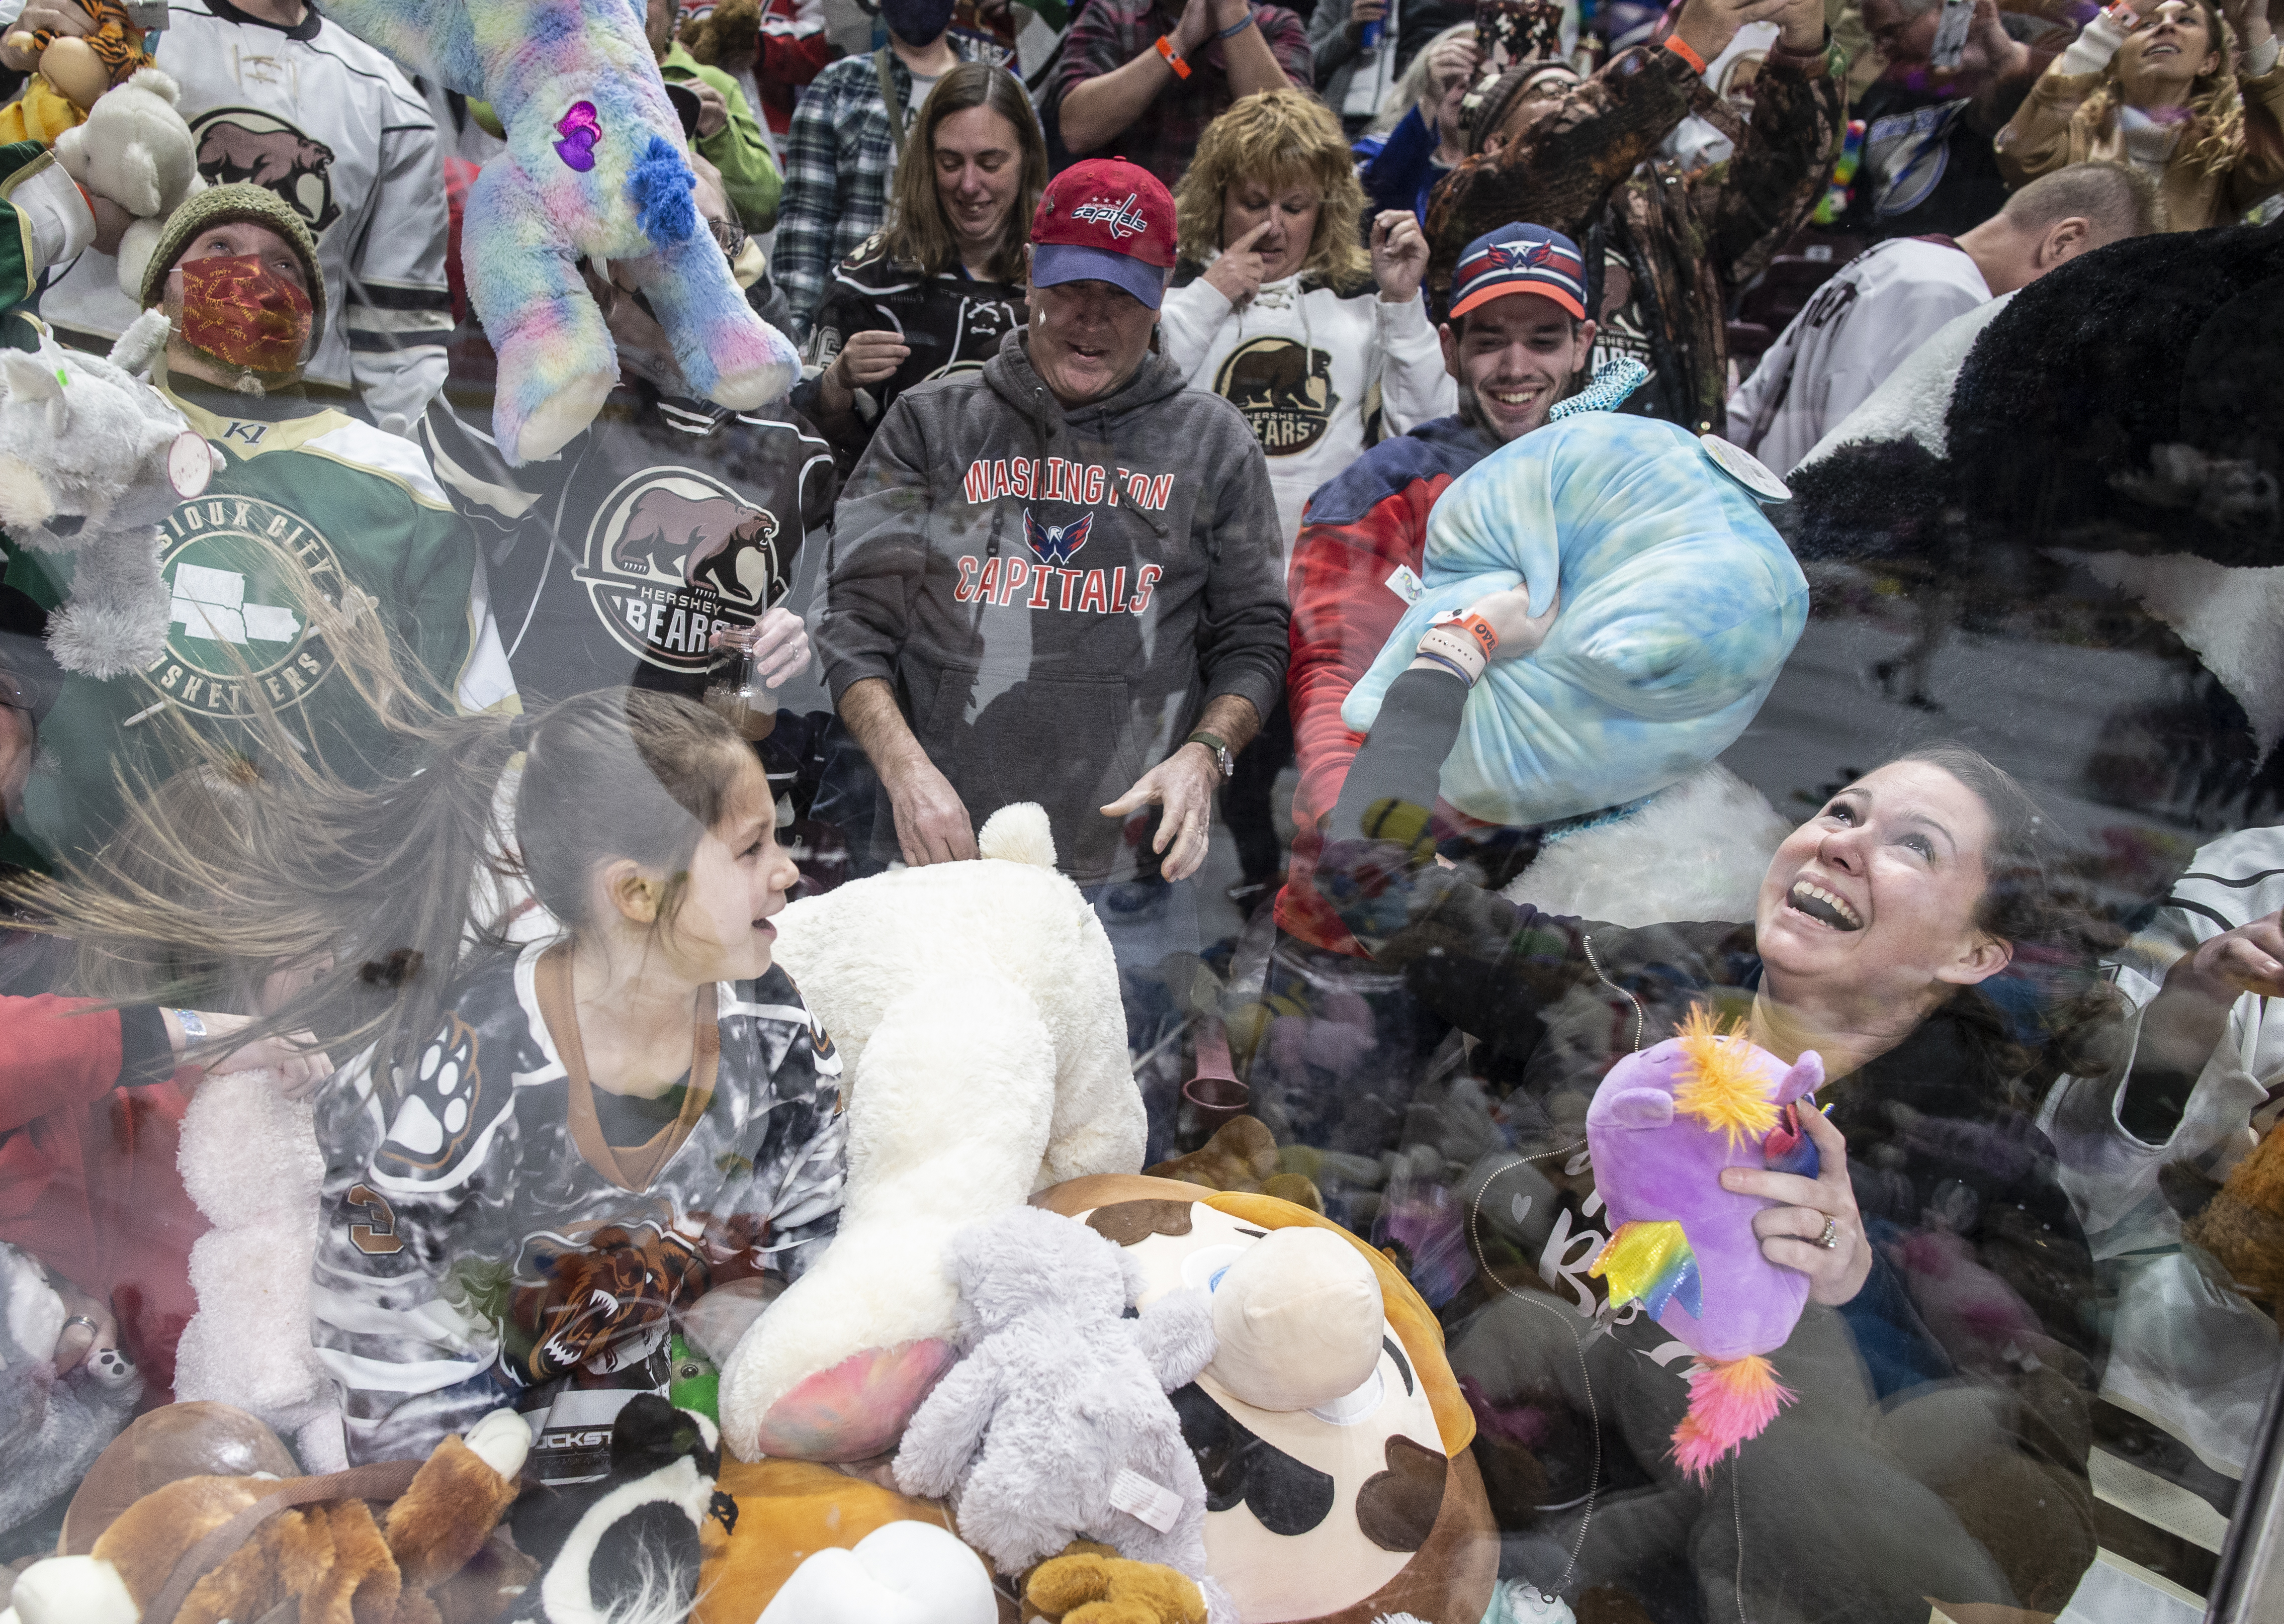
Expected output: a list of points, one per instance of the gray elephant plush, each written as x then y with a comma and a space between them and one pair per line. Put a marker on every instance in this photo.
1055, 1425
52, 1427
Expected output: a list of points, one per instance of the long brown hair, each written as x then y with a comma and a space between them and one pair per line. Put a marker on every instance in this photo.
395, 882
919, 235
1278, 138
2214, 141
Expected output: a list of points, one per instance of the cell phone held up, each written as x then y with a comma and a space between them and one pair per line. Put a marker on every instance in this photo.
1950, 35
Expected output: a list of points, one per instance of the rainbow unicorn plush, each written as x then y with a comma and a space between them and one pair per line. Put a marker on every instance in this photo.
595, 166
1664, 1124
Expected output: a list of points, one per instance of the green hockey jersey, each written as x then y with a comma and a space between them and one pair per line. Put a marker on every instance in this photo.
310, 499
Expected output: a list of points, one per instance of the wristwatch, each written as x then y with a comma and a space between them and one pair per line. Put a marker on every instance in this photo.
1221, 755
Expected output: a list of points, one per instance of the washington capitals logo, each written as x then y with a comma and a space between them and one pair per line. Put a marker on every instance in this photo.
1058, 544
1520, 256
1123, 219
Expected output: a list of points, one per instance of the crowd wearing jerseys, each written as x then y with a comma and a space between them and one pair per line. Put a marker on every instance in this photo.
1140, 340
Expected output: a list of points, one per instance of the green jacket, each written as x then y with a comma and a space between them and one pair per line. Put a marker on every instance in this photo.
740, 149
42, 221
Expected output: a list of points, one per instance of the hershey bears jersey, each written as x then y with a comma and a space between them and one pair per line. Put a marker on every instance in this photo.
615, 560
332, 126
470, 1251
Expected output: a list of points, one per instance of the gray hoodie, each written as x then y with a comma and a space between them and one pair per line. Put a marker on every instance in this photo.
1056, 595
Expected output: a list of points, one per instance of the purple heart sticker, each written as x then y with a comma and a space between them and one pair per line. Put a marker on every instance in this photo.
580, 130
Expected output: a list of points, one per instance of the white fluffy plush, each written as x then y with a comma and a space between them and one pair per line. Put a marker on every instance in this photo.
854, 951
1694, 851
250, 1163
1056, 1426
90, 461
135, 149
901, 1573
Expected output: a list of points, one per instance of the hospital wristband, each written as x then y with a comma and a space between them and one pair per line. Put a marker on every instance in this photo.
1459, 648
1173, 57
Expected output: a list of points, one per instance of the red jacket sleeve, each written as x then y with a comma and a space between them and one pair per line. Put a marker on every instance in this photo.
55, 1052
792, 59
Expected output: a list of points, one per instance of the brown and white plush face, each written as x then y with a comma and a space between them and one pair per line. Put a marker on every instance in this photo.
1320, 1513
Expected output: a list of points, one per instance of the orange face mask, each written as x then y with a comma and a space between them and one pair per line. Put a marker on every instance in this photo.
240, 311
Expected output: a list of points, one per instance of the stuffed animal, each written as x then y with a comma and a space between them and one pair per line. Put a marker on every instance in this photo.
1679, 605
92, 460
1664, 1124
628, 1545
798, 1522
52, 1427
976, 1006
901, 1573
309, 1542
1055, 1422
250, 1162
135, 149
81, 68
1093, 1584
595, 167
1362, 1506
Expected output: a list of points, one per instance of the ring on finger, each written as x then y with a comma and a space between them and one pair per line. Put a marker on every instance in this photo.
93, 1329
1830, 1237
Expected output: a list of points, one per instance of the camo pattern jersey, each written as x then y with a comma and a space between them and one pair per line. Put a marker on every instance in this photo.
471, 1255
614, 562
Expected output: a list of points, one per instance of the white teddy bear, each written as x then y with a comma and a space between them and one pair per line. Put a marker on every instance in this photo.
90, 460
135, 149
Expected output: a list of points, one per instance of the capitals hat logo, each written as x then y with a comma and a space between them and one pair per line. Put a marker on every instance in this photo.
1104, 220
1519, 258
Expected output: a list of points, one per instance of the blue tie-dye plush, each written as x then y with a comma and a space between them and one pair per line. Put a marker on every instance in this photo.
1679, 604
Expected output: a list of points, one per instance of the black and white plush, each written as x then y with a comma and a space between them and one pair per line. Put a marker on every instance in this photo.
2113, 428
52, 1427
625, 1550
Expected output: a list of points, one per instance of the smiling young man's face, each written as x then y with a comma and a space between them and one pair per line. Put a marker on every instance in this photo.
1880, 889
1513, 357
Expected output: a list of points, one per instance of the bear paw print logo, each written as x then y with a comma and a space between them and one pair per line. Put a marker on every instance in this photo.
438, 1114
580, 129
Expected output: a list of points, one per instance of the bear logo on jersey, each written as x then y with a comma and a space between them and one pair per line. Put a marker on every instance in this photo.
1284, 391
673, 555
246, 144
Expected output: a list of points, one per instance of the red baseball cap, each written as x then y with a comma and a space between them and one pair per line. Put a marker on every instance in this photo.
1104, 220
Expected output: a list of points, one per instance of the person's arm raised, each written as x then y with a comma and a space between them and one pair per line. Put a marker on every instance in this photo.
1251, 64
1097, 111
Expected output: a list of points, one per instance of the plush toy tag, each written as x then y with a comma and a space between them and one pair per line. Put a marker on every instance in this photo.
1405, 584
1145, 1501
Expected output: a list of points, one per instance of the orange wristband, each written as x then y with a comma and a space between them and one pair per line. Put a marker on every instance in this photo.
1680, 48
1173, 57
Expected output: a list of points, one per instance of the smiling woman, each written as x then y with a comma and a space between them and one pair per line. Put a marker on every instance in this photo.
1881, 927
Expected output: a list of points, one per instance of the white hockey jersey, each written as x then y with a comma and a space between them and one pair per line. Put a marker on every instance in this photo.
331, 125
1303, 364
1856, 329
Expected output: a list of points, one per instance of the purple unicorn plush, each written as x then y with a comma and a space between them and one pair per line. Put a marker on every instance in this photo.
1664, 1124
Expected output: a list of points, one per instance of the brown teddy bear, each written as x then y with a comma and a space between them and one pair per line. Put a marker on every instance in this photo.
204, 1549
1093, 1584
2241, 1222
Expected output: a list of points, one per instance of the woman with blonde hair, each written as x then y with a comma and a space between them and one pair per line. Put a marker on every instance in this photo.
1278, 308
936, 290
2162, 87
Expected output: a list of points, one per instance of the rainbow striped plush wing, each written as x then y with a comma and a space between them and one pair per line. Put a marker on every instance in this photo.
1650, 1262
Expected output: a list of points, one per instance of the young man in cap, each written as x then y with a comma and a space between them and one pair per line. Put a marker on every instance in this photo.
308, 500
1054, 579
1517, 338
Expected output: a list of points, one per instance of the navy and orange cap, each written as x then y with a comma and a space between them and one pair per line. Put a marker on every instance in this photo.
1519, 258
1104, 220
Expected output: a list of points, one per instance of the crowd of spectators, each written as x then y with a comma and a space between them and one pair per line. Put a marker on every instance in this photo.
1141, 341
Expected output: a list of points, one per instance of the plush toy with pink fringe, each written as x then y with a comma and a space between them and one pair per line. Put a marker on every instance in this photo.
1664, 1124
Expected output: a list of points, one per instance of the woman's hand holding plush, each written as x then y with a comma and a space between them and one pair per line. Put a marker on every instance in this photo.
1795, 1235
1520, 631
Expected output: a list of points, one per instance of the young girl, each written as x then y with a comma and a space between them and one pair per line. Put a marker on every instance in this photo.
544, 1151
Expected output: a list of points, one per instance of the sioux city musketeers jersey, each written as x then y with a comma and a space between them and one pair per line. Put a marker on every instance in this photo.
470, 1252
615, 560
306, 501
332, 127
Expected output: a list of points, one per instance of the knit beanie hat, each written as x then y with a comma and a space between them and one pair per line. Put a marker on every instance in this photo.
218, 204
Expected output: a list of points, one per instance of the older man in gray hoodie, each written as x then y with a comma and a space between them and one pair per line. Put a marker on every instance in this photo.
1055, 578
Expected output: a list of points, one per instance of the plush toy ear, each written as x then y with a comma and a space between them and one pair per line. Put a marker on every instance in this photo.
1641, 1107
23, 378
1806, 1076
